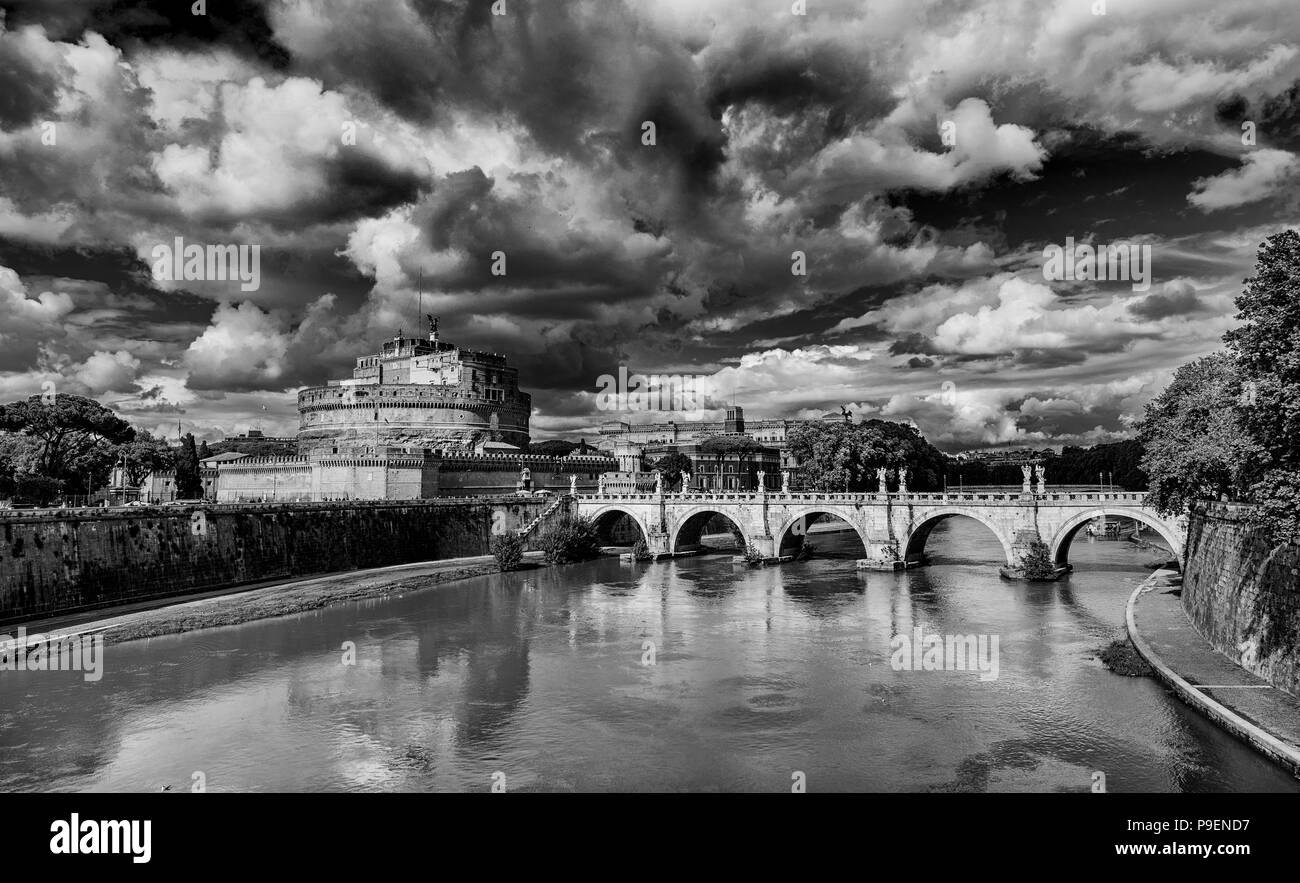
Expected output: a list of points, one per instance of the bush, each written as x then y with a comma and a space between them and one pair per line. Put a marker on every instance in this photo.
752, 555
508, 549
572, 539
1037, 562
640, 551
37, 489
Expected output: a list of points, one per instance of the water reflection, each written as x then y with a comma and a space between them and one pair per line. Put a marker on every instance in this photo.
538, 676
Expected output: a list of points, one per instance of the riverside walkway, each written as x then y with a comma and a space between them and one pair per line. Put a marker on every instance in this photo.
1247, 706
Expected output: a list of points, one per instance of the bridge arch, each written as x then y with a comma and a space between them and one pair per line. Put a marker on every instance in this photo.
813, 512
691, 523
1061, 542
606, 517
914, 548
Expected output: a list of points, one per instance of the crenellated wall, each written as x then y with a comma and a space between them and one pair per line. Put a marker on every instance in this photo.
1243, 593
56, 562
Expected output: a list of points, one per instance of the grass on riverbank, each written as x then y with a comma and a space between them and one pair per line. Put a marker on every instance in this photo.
1122, 658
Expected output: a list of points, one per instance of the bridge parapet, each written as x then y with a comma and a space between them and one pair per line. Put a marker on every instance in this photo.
801, 497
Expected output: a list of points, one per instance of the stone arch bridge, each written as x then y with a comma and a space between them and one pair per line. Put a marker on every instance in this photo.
893, 527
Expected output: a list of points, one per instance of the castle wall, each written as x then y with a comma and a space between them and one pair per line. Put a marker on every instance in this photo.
399, 477
1243, 593
57, 562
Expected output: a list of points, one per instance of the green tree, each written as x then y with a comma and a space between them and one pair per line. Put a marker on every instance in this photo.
204, 451
672, 466
67, 428
835, 456
19, 455
1267, 349
1195, 446
508, 550
1037, 562
145, 454
555, 447
189, 482
38, 489
573, 538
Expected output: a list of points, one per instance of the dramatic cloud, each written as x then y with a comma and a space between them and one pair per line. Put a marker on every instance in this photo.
1262, 175
847, 206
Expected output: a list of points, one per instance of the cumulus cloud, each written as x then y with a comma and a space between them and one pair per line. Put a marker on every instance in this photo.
1261, 176
108, 372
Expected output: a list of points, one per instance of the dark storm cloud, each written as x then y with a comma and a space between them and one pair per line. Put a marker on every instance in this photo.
239, 25
1163, 305
466, 213
1093, 182
913, 343
766, 70
1276, 117
30, 89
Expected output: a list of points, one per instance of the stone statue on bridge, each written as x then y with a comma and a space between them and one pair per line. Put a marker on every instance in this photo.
600, 484
686, 482
762, 483
902, 479
1041, 470
1027, 472
785, 482
659, 483
573, 485
881, 486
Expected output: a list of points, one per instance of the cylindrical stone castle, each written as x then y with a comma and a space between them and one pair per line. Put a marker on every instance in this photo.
416, 393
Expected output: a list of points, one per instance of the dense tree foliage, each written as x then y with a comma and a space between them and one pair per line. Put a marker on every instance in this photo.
73, 432
671, 466
553, 448
835, 456
508, 550
1195, 445
572, 539
189, 482
144, 454
1266, 346
1228, 426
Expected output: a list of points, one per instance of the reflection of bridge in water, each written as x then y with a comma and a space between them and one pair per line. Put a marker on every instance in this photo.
893, 527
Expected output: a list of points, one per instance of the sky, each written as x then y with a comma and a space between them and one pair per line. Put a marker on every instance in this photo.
915, 160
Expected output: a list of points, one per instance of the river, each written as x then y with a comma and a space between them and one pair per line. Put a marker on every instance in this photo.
543, 680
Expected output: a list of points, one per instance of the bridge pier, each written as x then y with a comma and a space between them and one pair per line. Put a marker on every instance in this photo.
1021, 542
882, 556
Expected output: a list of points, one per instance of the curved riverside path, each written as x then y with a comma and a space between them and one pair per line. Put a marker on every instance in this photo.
1245, 705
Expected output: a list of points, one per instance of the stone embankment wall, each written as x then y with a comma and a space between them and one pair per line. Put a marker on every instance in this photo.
1243, 593
63, 561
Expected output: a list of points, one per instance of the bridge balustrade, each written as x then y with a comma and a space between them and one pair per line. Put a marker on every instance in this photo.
858, 498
